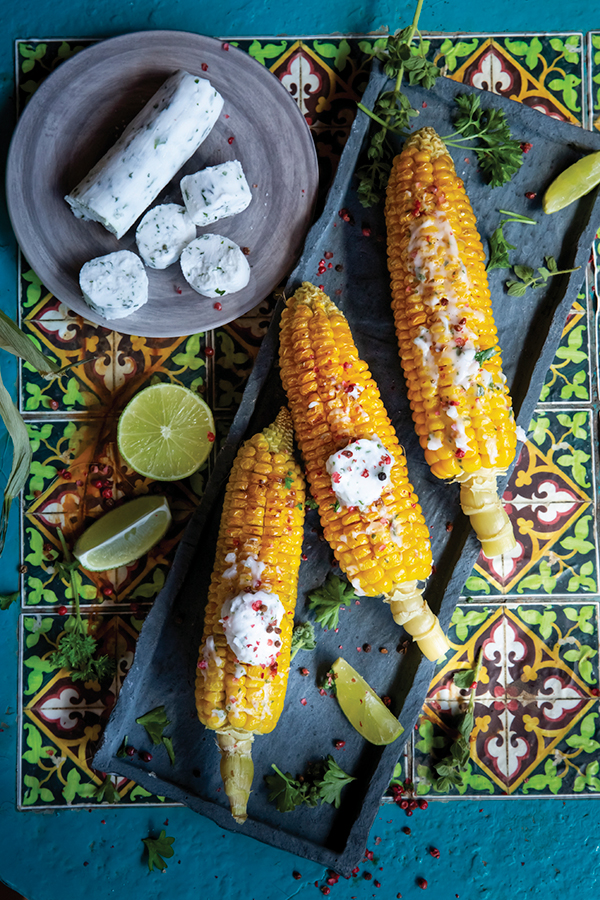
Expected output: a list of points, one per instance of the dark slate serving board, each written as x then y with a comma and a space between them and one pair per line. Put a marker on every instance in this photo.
529, 329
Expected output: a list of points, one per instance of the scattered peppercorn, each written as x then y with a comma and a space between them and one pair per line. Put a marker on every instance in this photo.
423, 804
145, 756
130, 751
377, 884
339, 268
531, 195
367, 876
204, 67
325, 889
406, 830
230, 140
433, 851
366, 648
22, 569
54, 405
296, 875
387, 700
366, 231
422, 883
328, 254
304, 671
525, 146
383, 650
339, 744
449, 526
62, 610
209, 351
218, 306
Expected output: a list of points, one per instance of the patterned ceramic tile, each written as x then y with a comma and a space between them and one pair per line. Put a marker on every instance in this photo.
63, 719
550, 501
569, 376
541, 71
536, 701
593, 59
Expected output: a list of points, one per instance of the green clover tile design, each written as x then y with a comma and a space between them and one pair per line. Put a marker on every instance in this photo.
568, 378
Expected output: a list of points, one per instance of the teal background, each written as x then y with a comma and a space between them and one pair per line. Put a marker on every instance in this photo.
497, 849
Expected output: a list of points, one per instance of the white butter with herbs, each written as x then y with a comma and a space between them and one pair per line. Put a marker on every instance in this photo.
216, 192
252, 626
360, 473
214, 265
114, 285
163, 233
151, 150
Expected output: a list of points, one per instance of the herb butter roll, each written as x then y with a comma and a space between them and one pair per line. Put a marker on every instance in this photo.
153, 147
114, 285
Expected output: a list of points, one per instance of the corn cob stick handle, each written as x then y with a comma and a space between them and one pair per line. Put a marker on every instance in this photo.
411, 610
237, 769
480, 502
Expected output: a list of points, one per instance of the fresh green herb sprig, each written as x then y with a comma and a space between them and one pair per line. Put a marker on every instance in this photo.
310, 503
526, 276
158, 848
323, 782
155, 723
76, 649
392, 110
106, 792
327, 600
303, 638
499, 246
449, 768
499, 154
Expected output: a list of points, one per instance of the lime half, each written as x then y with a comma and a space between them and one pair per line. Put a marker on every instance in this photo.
573, 183
124, 534
166, 432
362, 707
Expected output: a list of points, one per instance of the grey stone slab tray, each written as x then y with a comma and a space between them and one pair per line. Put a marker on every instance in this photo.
163, 671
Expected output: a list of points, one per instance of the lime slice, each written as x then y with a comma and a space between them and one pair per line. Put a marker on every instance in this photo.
573, 183
362, 707
124, 534
166, 432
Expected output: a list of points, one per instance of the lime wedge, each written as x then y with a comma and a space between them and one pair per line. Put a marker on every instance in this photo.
573, 183
166, 432
362, 707
124, 534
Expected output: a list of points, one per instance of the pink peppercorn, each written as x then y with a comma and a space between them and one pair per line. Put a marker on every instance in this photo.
225, 46
218, 306
303, 701
62, 610
209, 351
204, 67
531, 195
423, 804
230, 140
145, 756
422, 883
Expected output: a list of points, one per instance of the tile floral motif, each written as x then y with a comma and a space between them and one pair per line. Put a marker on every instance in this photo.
75, 477
63, 719
568, 378
541, 71
536, 701
593, 57
550, 501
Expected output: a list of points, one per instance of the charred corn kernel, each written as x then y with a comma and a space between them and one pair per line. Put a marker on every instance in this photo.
381, 545
446, 332
258, 555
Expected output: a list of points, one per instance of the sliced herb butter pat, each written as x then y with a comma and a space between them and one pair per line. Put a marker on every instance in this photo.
114, 285
216, 192
163, 233
214, 265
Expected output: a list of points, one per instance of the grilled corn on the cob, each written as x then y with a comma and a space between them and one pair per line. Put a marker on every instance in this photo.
446, 333
355, 465
244, 655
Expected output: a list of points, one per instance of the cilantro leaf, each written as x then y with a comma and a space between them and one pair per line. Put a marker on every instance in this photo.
122, 751
168, 742
334, 779
155, 723
286, 792
327, 600
75, 652
310, 503
303, 638
157, 848
482, 355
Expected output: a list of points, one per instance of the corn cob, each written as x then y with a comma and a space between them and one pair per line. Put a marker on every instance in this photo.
383, 545
241, 682
446, 333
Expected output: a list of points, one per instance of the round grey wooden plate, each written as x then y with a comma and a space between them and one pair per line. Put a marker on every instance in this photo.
78, 113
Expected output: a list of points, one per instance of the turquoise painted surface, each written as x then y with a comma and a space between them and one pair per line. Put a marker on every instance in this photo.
496, 849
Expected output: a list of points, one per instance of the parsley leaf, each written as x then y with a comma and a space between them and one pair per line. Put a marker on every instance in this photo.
323, 782
499, 154
327, 600
527, 278
303, 638
499, 248
7, 599
333, 781
157, 848
286, 792
75, 649
155, 723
